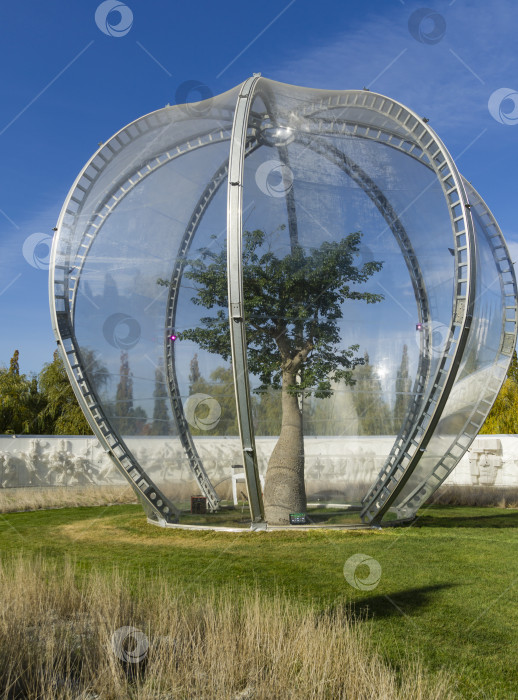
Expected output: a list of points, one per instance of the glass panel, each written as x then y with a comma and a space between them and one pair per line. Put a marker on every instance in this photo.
138, 233
340, 230
481, 373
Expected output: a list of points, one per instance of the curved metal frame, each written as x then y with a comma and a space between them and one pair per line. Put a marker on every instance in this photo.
173, 389
63, 292
236, 310
416, 140
360, 177
509, 315
408, 449
507, 343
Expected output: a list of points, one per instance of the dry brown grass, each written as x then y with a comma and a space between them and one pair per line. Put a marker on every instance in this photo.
56, 642
12, 500
476, 496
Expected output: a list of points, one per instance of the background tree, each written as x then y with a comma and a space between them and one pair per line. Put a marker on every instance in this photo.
161, 423
124, 397
220, 386
14, 365
292, 308
61, 414
20, 401
403, 388
374, 415
503, 417
194, 373
130, 420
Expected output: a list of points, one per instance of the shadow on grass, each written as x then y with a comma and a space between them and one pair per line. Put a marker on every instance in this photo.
448, 516
402, 603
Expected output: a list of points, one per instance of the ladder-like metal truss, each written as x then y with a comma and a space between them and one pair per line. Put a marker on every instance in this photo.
371, 189
187, 441
508, 339
65, 272
417, 140
507, 343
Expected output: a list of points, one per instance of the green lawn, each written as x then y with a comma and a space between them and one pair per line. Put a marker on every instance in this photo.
448, 589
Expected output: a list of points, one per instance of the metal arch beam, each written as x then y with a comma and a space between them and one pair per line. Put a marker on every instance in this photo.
408, 452
358, 175
108, 205
62, 294
173, 388
505, 266
507, 343
394, 476
155, 503
236, 295
396, 141
378, 134
508, 340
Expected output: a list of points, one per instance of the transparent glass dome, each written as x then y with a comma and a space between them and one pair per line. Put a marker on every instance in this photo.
282, 298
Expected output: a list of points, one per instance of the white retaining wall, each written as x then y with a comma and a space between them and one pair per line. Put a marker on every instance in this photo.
71, 461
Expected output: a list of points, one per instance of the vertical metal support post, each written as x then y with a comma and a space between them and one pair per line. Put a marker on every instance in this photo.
236, 296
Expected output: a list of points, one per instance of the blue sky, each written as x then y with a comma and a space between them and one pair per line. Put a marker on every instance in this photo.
66, 86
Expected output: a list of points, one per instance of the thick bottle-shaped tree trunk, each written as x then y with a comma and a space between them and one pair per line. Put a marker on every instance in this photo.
284, 490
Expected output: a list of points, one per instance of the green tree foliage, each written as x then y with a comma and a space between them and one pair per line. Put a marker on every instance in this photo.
503, 417
61, 414
20, 401
45, 404
293, 305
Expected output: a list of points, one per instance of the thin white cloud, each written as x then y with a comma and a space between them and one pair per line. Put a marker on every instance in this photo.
431, 79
